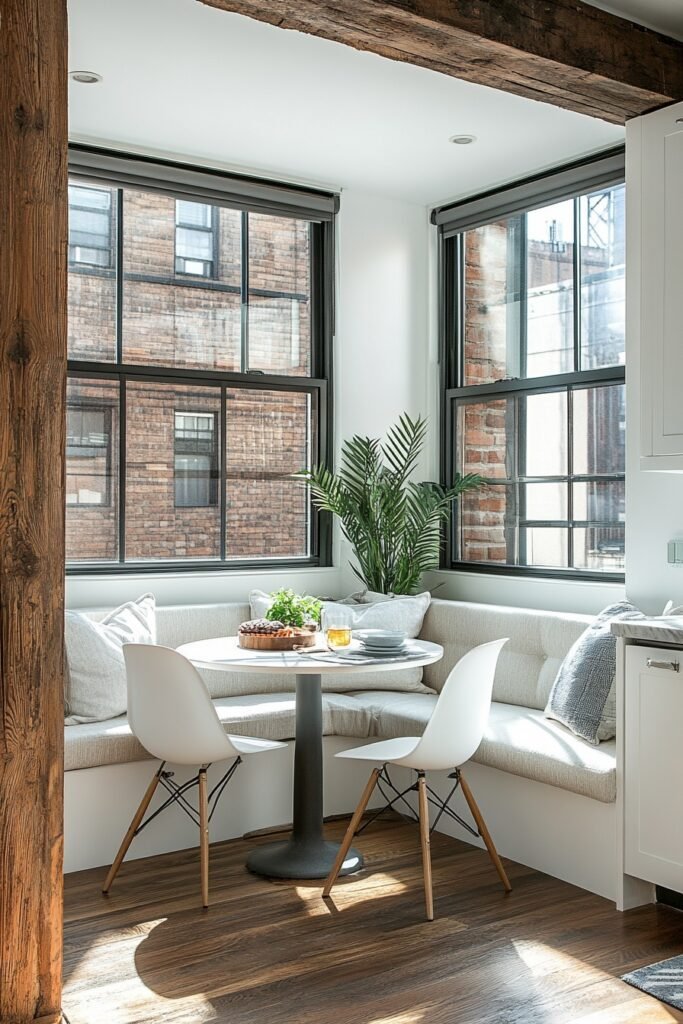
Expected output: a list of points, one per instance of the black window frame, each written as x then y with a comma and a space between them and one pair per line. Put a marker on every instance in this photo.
569, 182
183, 446
106, 409
116, 170
212, 230
85, 266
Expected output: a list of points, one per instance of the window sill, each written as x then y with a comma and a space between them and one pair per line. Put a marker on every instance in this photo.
561, 594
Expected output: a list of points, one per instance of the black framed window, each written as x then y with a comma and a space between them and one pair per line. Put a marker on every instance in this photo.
218, 388
196, 459
90, 226
196, 243
533, 376
88, 454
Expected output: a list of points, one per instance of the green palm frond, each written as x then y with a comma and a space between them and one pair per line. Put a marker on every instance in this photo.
393, 523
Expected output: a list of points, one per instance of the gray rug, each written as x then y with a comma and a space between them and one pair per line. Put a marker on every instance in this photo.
663, 980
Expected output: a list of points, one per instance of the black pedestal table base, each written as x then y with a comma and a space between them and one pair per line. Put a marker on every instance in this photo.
306, 854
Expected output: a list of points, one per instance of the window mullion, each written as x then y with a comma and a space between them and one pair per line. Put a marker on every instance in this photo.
119, 276
244, 306
577, 286
223, 473
570, 476
122, 469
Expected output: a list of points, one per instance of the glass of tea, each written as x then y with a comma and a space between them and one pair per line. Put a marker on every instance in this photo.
337, 624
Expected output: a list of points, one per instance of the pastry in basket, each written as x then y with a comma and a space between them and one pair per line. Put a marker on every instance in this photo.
266, 627
272, 635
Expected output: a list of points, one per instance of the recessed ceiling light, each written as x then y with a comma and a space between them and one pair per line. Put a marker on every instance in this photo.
463, 140
85, 77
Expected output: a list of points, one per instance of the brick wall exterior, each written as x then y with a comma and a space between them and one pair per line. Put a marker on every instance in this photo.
168, 319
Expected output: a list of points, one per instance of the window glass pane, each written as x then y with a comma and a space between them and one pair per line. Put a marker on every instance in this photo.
600, 501
487, 521
492, 301
194, 244
92, 470
602, 278
270, 435
279, 295
599, 424
542, 502
196, 459
550, 290
487, 518
92, 274
485, 438
169, 320
157, 525
193, 214
599, 548
545, 546
543, 425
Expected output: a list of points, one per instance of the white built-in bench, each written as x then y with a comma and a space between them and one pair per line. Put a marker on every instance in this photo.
548, 796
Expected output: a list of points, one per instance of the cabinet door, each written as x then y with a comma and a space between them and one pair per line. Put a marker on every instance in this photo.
659, 194
653, 768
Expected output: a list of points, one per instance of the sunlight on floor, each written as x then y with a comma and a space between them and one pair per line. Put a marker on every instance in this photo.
542, 959
402, 1018
350, 893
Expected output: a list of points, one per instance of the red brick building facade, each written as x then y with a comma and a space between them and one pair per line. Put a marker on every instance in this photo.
182, 297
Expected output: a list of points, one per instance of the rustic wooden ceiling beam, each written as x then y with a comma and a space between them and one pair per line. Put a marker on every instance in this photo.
559, 51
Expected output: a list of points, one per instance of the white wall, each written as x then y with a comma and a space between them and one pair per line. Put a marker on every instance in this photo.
383, 357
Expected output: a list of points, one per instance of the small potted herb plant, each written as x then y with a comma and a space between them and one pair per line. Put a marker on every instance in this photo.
297, 610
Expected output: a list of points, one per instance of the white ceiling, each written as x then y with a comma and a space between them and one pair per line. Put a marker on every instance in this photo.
184, 79
663, 15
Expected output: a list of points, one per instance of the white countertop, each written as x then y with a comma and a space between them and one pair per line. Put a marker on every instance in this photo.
662, 630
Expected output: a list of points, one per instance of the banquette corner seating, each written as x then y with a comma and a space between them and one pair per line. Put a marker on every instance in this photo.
549, 795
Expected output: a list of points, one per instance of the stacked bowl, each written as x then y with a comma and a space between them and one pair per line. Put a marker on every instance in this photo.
382, 643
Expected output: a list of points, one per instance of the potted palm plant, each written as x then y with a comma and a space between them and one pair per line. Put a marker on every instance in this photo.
393, 523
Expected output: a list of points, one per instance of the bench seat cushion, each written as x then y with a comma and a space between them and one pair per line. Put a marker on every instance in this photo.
268, 716
518, 740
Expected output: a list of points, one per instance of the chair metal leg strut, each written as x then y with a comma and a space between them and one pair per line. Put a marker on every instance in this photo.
201, 817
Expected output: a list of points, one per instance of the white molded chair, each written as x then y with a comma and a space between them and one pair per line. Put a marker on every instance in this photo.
172, 715
451, 736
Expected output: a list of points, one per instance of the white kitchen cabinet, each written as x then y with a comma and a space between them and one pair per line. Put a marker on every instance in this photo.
653, 765
654, 266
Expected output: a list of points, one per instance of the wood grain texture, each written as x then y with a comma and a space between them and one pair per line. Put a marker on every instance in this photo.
563, 52
277, 953
33, 236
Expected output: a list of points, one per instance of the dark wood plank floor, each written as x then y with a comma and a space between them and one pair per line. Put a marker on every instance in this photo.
268, 953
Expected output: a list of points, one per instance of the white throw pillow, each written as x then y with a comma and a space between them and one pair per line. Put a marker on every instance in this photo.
96, 671
400, 612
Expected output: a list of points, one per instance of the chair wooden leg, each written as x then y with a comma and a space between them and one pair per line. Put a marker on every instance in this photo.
204, 835
132, 828
351, 831
423, 803
484, 833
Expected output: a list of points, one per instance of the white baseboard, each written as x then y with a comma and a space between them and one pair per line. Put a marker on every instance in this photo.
100, 802
560, 833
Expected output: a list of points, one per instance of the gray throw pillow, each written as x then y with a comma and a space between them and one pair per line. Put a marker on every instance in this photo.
96, 671
582, 697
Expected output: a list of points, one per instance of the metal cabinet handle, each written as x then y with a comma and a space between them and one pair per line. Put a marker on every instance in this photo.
671, 666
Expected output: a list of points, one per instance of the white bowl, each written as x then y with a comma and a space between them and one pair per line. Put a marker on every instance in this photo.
382, 637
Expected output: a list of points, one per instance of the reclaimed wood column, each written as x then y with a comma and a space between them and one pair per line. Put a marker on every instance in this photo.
33, 235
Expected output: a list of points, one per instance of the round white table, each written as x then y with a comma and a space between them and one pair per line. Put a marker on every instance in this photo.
306, 854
